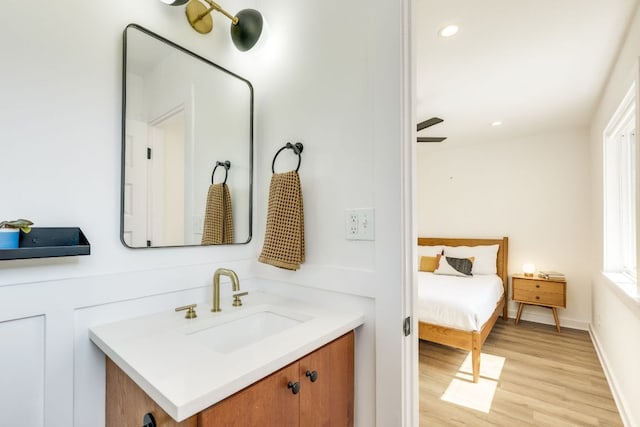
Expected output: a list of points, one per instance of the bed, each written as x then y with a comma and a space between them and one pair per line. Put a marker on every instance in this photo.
470, 330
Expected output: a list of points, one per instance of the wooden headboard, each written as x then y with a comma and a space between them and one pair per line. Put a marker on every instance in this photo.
501, 260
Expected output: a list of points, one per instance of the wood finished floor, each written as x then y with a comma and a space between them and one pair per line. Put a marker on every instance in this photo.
547, 379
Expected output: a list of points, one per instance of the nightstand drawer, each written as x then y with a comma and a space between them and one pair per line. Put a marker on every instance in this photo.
539, 297
539, 292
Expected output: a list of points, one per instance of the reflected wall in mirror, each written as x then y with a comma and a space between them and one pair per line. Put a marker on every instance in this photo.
182, 115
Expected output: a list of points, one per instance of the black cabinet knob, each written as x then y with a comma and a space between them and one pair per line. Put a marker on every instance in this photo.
148, 420
294, 387
312, 375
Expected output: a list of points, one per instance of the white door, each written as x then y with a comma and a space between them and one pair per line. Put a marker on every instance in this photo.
166, 181
135, 207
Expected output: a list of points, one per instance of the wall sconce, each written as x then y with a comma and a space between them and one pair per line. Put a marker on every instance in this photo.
246, 25
528, 269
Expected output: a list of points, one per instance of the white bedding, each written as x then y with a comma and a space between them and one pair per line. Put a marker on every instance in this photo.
464, 303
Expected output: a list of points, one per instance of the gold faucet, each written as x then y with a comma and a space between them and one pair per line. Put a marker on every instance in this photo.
216, 285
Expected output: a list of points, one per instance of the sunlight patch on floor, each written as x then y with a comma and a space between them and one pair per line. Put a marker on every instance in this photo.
479, 396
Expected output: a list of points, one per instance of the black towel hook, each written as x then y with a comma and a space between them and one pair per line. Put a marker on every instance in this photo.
297, 149
226, 165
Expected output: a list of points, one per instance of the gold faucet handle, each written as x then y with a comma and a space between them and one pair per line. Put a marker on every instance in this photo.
191, 313
237, 302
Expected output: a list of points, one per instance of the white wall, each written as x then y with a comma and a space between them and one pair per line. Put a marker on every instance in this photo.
338, 91
534, 189
616, 317
335, 84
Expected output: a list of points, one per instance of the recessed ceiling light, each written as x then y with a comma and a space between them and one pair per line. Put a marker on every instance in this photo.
496, 123
448, 31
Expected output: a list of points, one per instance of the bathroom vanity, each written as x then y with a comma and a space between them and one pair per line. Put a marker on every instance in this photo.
272, 361
314, 390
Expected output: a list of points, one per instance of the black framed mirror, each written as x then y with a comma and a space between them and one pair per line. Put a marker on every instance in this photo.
187, 147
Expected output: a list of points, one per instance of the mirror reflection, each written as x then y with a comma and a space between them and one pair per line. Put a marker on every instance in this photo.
187, 147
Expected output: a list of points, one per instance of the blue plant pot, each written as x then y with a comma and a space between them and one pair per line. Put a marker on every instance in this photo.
9, 238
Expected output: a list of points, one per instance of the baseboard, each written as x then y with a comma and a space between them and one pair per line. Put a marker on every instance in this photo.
548, 319
617, 396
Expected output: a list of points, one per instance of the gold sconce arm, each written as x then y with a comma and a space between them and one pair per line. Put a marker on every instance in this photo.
247, 23
216, 6
200, 18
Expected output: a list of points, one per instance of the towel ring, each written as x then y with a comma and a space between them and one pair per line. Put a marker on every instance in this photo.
297, 149
226, 165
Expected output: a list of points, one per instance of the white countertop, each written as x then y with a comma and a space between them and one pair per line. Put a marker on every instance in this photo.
173, 364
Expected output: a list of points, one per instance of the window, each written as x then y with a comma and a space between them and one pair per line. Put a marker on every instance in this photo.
620, 190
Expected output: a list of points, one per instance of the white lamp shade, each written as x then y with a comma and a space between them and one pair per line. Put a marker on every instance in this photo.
174, 2
528, 268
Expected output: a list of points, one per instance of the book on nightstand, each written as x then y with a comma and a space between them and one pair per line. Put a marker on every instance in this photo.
551, 275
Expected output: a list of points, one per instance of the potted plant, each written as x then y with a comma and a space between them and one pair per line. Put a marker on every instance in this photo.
10, 232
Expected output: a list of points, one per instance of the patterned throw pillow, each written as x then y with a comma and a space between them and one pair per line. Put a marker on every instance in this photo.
485, 256
454, 266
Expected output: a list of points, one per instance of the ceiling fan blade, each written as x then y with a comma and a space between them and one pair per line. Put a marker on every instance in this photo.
429, 122
431, 138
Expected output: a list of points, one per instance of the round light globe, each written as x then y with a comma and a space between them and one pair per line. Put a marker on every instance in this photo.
246, 33
174, 2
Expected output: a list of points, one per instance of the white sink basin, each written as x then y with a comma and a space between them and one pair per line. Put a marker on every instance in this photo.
238, 332
187, 365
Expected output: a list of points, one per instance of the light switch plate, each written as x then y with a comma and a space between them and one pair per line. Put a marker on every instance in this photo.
359, 224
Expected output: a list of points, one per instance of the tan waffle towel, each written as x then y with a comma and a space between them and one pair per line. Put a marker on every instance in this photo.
284, 236
218, 217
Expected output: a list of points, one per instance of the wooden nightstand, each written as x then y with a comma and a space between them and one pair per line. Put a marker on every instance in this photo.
537, 291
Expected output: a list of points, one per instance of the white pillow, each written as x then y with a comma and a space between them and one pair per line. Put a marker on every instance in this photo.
484, 257
430, 250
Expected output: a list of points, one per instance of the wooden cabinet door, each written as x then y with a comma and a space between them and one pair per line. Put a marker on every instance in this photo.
328, 401
266, 403
126, 403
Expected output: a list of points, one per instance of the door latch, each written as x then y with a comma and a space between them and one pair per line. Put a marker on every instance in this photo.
406, 327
